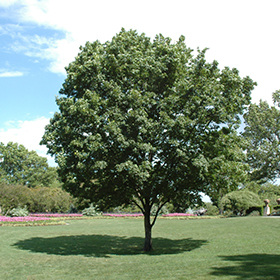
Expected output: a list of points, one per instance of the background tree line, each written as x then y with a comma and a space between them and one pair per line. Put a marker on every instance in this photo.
26, 179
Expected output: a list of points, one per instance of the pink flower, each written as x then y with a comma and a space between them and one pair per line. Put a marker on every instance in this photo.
21, 219
56, 215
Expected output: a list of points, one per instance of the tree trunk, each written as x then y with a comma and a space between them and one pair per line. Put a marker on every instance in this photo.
148, 233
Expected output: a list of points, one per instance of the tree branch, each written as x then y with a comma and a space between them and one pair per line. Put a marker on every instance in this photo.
158, 210
138, 205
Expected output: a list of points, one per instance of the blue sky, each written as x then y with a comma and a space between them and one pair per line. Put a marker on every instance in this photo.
39, 38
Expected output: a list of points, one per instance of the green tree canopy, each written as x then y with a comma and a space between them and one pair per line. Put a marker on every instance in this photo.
265, 191
142, 120
226, 170
262, 132
19, 166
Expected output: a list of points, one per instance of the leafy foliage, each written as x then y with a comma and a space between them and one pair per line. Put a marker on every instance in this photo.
239, 201
227, 171
54, 200
19, 166
144, 120
256, 209
254, 213
13, 196
19, 212
212, 210
164, 210
36, 199
72, 209
262, 131
265, 191
91, 211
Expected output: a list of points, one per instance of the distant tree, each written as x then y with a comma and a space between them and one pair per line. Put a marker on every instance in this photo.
265, 191
227, 171
262, 132
141, 122
239, 201
19, 166
269, 191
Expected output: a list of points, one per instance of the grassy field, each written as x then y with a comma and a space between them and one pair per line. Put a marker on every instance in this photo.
232, 248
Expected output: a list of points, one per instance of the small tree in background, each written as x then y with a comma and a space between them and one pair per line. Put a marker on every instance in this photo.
265, 191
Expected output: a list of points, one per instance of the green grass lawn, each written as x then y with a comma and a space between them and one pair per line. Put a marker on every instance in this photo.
233, 248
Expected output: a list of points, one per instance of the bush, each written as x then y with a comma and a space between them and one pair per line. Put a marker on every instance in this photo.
212, 210
54, 200
12, 196
39, 199
238, 202
259, 209
275, 210
72, 209
91, 211
254, 213
19, 212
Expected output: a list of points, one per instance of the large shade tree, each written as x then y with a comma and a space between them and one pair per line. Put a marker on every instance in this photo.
262, 132
141, 120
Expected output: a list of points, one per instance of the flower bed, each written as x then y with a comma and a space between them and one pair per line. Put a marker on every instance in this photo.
122, 215
22, 219
27, 221
179, 215
39, 219
55, 215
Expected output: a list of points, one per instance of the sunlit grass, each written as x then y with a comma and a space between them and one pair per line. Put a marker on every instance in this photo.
233, 248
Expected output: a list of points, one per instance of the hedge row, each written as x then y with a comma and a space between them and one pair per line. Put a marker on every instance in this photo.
40, 199
259, 208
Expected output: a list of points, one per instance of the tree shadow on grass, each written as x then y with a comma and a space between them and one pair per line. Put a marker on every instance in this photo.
105, 245
253, 266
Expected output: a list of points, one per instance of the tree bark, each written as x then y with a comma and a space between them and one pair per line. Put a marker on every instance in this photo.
148, 233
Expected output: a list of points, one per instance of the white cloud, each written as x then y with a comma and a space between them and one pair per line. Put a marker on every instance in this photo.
27, 133
7, 74
241, 34
8, 3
